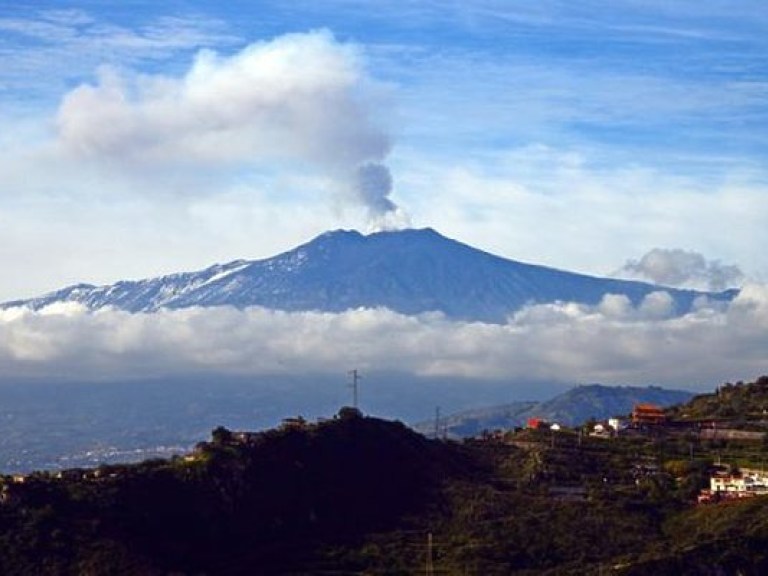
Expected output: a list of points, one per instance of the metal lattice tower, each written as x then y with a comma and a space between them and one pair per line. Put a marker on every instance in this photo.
355, 379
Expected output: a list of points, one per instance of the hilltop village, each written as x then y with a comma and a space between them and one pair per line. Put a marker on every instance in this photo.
706, 436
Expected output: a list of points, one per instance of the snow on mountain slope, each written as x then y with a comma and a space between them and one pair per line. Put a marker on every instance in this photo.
408, 271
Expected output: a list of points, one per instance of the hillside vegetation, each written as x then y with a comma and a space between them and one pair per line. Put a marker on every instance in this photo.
740, 402
360, 495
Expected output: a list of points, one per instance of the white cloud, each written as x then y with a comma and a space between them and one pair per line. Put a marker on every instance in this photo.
676, 267
657, 305
563, 208
610, 342
265, 100
304, 99
241, 155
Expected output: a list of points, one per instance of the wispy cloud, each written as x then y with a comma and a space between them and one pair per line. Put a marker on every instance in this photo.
34, 45
567, 209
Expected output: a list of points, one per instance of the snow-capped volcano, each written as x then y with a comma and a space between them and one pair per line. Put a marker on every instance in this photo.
408, 271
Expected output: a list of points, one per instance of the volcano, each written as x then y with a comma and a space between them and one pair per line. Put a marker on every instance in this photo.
412, 271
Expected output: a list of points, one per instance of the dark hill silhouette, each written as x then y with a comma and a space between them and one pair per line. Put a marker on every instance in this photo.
255, 503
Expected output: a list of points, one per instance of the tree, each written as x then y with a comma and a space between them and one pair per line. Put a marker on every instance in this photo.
221, 435
349, 413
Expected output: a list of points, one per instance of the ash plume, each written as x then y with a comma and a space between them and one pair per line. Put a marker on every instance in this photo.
373, 185
298, 99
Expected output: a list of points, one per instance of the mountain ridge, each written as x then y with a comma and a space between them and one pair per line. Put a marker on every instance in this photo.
571, 408
409, 271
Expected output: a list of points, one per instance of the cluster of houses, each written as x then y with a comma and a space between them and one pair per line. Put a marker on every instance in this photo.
541, 424
650, 418
734, 485
643, 417
724, 484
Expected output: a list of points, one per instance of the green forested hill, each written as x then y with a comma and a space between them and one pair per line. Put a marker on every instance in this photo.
359, 495
740, 402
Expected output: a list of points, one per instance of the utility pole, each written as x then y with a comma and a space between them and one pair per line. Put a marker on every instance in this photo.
355, 379
430, 564
437, 422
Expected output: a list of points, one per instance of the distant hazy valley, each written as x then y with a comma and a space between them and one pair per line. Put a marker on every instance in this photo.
63, 425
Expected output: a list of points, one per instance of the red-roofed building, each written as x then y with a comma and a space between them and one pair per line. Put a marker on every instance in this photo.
643, 414
535, 423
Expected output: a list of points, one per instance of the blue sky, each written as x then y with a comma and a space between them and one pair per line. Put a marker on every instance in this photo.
606, 137
577, 135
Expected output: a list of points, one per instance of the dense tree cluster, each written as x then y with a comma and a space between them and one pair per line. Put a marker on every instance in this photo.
739, 402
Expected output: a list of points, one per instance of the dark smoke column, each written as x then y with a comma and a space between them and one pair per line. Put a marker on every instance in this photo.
372, 186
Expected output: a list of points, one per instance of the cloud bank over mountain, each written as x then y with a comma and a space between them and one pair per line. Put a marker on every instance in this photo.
612, 342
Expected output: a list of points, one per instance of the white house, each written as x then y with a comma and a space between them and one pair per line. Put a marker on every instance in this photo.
740, 483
